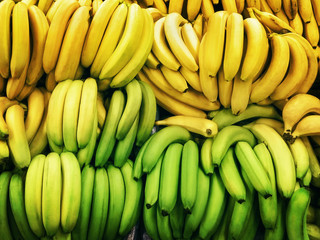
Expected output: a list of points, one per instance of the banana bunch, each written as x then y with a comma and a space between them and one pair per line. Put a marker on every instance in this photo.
128, 122
72, 118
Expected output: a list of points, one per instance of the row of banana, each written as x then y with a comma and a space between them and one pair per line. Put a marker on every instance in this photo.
54, 198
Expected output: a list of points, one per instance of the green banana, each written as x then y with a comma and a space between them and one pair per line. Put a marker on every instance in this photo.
215, 207
176, 219
108, 136
267, 207
33, 194
131, 109
160, 141
163, 225
71, 191
189, 174
116, 202
254, 169
87, 180
307, 178
53, 147
278, 231
149, 216
300, 156
206, 156
51, 193
133, 197
231, 177
227, 137
151, 189
4, 205
16, 235
169, 178
193, 220
148, 111
124, 146
296, 214
99, 205
17, 203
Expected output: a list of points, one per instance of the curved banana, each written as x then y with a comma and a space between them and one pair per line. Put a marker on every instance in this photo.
193, 9
50, 81
149, 216
297, 24
96, 30
225, 90
110, 39
316, 10
229, 6
39, 30
307, 126
192, 78
156, 13
175, 6
311, 31
198, 25
176, 219
191, 40
305, 10
178, 47
301, 157
226, 137
206, 156
5, 204
175, 79
265, 85
52, 10
6, 8
163, 225
275, 5
207, 9
56, 33
5, 104
290, 8
240, 95
152, 61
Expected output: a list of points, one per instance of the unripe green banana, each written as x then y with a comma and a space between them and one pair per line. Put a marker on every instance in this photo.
189, 174
254, 169
163, 225
278, 231
160, 141
227, 137
206, 156
149, 216
5, 205
176, 219
169, 178
16, 235
231, 177
193, 220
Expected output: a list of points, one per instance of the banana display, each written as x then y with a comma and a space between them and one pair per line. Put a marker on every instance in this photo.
161, 119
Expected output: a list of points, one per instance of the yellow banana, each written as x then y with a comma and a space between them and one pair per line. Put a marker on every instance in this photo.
207, 9
305, 10
175, 79
225, 89
50, 81
191, 40
265, 6
155, 13
240, 95
193, 9
152, 61
297, 24
275, 5
311, 31
290, 7
53, 9
44, 5
175, 6
253, 3
283, 16
229, 6
192, 78
316, 10
307, 126
160, 4
198, 25
5, 103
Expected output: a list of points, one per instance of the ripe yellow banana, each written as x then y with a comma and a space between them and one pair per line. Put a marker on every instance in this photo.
275, 5
198, 25
192, 78
161, 5
229, 6
316, 10
311, 32
297, 24
283, 16
207, 9
307, 126
155, 13
5, 37
20, 40
50, 81
44, 5
225, 89
191, 40
253, 4
290, 7
152, 61
52, 10
305, 10
175, 6
193, 9
5, 103
70, 52
175, 79
240, 95
265, 6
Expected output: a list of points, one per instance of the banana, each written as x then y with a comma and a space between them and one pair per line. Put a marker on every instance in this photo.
5, 104
253, 168
193, 220
25, 92
175, 79
316, 10
163, 225
267, 207
101, 109
229, 6
55, 113
99, 205
226, 137
313, 162
202, 126
39, 30
282, 15
278, 231
71, 48
124, 146
192, 78
51, 193
44, 5
207, 9
131, 109
96, 30
151, 189
13, 225
161, 5
193, 9
87, 112
206, 156
116, 202
305, 10
240, 95
4, 150
110, 39
70, 115
20, 40
175, 6
241, 211
300, 156
233, 182
126, 46
198, 25
294, 77
178, 47
53, 147
225, 90
87, 180
133, 198
147, 113
176, 219
240, 5
191, 97
234, 45
189, 175
152, 61
160, 141
257, 47
148, 3
209, 85
17, 140
215, 207
265, 6
4, 193
6, 8
169, 178
297, 24
296, 214
52, 10
149, 216
33, 194
290, 8
17, 203
50, 81
155, 13
191, 40
265, 85
71, 191
56, 34
108, 136
138, 59
307, 178
275, 5
311, 32
281, 155
215, 42
306, 126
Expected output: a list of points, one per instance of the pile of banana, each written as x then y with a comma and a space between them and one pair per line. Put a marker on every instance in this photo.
54, 198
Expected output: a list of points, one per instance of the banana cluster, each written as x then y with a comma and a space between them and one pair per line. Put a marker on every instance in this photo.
128, 122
